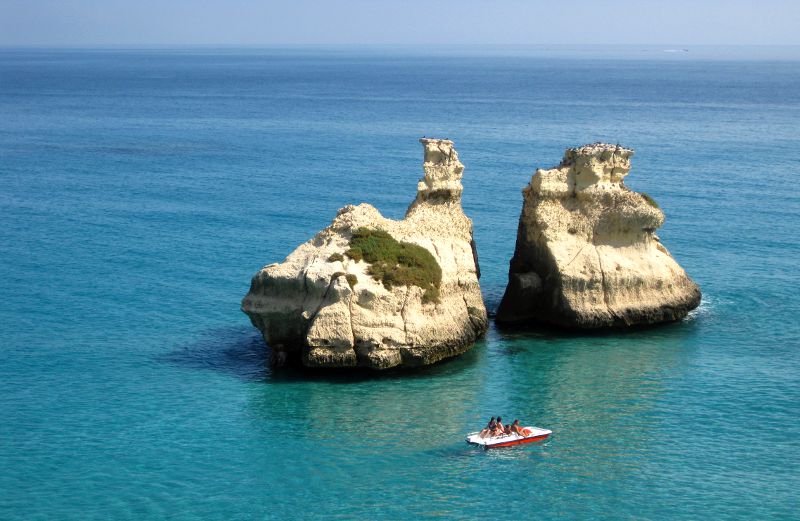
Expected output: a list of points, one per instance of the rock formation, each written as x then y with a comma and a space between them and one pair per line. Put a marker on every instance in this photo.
587, 255
330, 306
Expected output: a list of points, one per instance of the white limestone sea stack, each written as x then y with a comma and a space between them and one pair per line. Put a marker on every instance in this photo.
587, 255
328, 306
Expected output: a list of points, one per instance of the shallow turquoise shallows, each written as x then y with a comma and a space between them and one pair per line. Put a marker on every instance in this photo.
141, 189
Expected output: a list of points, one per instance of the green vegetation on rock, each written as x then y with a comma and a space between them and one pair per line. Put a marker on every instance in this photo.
652, 202
335, 257
352, 280
396, 263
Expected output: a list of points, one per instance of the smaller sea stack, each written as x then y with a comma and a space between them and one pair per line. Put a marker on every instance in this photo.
587, 255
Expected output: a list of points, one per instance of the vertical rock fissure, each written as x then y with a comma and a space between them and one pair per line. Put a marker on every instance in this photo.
603, 283
403, 315
350, 318
322, 300
472, 321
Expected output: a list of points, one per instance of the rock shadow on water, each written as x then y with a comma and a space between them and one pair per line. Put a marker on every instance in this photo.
237, 351
240, 351
516, 339
535, 329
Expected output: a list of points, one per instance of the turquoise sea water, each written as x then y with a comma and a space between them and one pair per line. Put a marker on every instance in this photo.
140, 189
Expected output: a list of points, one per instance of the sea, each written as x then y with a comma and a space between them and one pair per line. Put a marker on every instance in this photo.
142, 187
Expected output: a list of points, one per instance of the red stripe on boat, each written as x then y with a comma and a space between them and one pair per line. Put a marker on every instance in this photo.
517, 442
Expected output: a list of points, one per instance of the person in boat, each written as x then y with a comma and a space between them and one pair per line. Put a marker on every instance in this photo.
499, 429
489, 428
515, 428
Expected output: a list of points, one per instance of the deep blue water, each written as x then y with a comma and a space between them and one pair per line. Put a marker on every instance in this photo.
140, 189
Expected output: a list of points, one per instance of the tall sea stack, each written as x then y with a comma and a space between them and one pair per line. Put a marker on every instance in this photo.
587, 255
373, 292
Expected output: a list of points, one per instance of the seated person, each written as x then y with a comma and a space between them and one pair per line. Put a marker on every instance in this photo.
517, 429
489, 428
499, 429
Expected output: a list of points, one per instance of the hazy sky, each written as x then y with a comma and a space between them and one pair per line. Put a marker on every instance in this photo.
88, 22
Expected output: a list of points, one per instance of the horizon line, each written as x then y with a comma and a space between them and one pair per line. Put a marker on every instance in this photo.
268, 45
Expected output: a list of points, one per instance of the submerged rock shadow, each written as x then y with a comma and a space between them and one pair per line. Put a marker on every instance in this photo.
536, 329
240, 351
541, 330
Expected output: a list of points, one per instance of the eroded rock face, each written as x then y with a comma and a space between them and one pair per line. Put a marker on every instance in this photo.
306, 307
587, 255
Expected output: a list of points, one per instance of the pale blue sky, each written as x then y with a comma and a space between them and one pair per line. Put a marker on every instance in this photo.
155, 22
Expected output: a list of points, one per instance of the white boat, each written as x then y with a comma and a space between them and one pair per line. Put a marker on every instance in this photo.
509, 440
